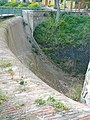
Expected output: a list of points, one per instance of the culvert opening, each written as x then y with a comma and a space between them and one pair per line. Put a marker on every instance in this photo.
66, 43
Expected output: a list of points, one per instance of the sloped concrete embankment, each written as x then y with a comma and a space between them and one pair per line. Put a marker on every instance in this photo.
32, 57
13, 40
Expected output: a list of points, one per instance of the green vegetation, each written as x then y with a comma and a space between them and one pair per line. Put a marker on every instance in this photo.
86, 3
3, 97
10, 71
2, 2
67, 42
23, 5
57, 104
5, 64
75, 92
21, 82
28, 118
19, 105
40, 101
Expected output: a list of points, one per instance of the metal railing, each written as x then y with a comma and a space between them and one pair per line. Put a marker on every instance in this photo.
10, 10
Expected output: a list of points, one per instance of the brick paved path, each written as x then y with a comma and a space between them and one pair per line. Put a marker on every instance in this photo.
8, 111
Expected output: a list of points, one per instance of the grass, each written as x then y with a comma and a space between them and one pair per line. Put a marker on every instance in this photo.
19, 105
75, 92
10, 71
40, 101
3, 97
5, 63
57, 104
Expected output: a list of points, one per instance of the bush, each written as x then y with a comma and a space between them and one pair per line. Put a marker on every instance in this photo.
33, 6
11, 4
22, 5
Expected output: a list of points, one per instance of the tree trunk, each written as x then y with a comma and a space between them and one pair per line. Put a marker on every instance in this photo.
58, 11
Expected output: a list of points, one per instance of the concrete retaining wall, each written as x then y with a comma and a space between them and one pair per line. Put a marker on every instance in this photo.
32, 57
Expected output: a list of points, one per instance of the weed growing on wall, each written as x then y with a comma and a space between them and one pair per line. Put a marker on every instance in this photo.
57, 104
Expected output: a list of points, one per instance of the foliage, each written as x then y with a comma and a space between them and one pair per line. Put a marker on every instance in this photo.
22, 5
86, 3
67, 42
2, 2
58, 105
11, 4
51, 99
33, 5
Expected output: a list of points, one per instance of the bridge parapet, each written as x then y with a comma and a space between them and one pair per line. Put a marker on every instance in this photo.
35, 17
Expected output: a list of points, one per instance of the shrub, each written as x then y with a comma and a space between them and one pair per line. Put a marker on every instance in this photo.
22, 5
11, 4
34, 5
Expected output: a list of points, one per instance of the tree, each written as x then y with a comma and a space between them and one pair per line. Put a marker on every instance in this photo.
58, 9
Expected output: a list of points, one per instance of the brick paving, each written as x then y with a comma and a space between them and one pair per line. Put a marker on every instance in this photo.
85, 118
9, 112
